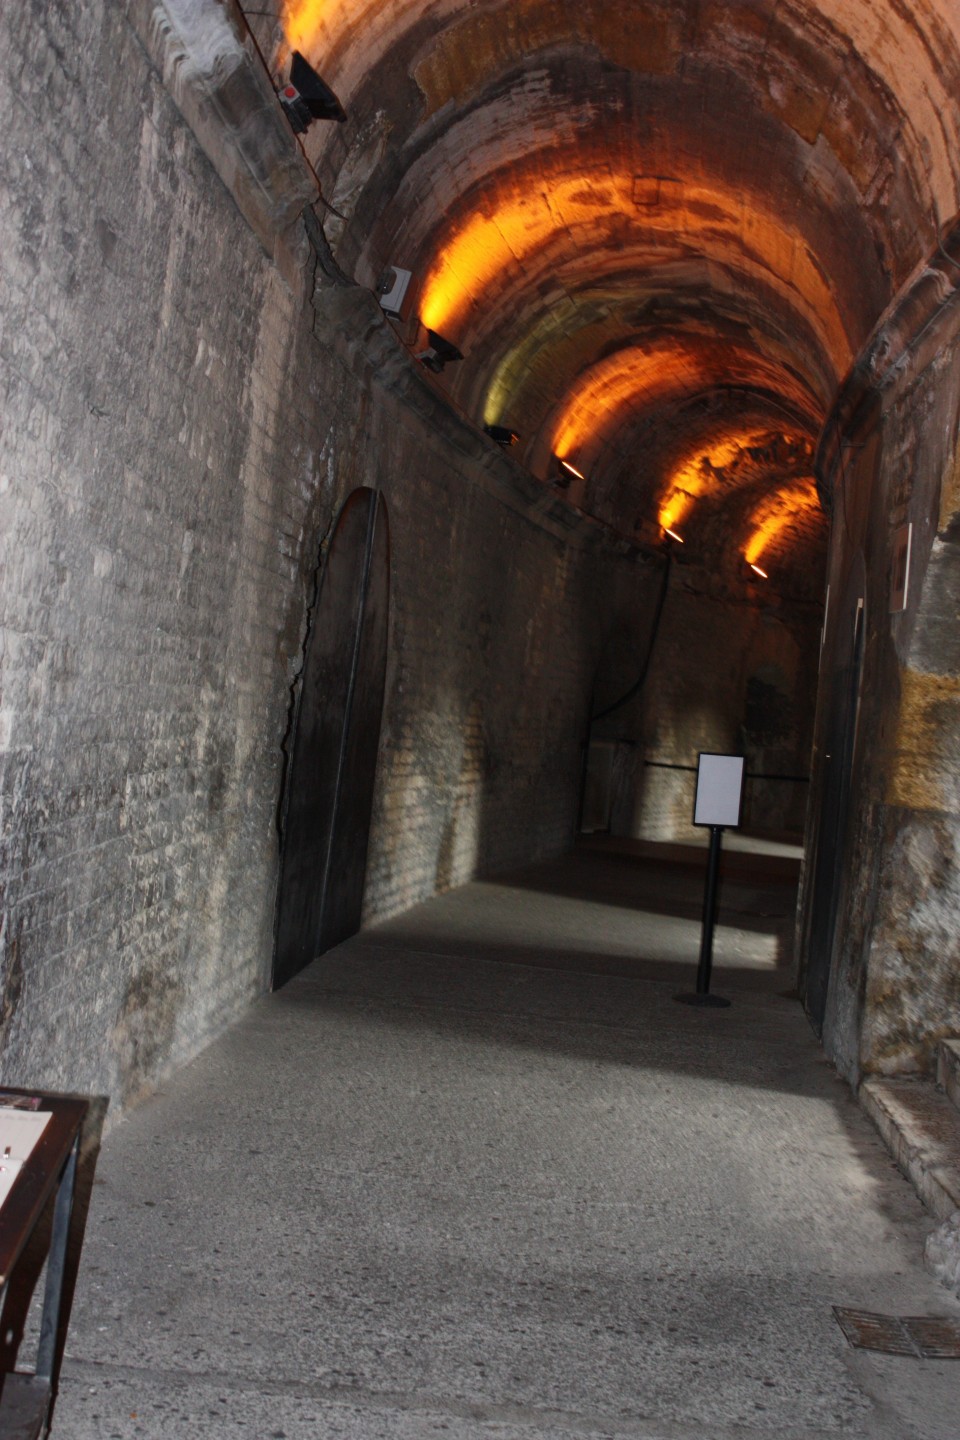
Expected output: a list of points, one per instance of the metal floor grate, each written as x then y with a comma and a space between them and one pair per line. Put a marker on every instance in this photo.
923, 1337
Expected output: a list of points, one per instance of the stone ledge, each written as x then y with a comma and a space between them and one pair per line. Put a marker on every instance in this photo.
216, 78
354, 325
921, 1129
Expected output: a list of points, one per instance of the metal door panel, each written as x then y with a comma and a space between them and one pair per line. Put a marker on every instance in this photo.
327, 795
343, 896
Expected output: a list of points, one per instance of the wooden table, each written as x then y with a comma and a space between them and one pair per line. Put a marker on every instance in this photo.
26, 1396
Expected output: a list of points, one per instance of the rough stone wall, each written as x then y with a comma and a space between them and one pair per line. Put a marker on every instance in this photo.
481, 755
178, 434
149, 564
895, 974
912, 994
497, 619
726, 675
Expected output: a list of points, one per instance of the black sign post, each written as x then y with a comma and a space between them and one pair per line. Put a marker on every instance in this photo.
702, 995
718, 804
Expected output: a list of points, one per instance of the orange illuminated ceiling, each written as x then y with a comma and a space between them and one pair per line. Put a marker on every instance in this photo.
641, 376
310, 24
775, 516
696, 478
534, 211
650, 225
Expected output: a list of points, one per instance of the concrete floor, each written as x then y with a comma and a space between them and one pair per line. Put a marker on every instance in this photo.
475, 1174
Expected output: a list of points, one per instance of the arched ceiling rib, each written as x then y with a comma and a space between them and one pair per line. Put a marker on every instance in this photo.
820, 60
693, 300
635, 381
535, 219
651, 214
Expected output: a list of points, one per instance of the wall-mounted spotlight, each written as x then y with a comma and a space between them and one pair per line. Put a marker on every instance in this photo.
392, 291
673, 534
306, 97
757, 571
439, 352
565, 473
502, 435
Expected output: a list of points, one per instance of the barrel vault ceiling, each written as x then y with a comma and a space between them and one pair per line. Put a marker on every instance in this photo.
659, 231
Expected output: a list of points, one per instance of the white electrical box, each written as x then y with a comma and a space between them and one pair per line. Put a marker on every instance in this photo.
392, 291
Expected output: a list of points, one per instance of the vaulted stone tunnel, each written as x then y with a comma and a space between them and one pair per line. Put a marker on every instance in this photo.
701, 259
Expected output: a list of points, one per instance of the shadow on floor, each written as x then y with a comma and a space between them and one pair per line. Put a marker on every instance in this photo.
612, 910
583, 956
608, 1022
759, 890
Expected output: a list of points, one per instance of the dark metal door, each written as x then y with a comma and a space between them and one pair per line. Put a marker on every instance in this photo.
328, 795
840, 740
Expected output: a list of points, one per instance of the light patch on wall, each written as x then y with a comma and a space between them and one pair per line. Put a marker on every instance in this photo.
315, 27
778, 514
696, 477
459, 847
615, 384
305, 21
485, 245
923, 770
498, 396
548, 328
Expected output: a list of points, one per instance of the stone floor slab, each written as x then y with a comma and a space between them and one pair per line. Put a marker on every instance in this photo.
486, 1191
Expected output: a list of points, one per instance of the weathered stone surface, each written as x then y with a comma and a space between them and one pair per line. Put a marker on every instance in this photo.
202, 48
922, 1131
912, 981
176, 440
925, 769
948, 1070
888, 455
942, 1253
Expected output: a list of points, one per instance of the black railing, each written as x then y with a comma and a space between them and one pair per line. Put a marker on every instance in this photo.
749, 774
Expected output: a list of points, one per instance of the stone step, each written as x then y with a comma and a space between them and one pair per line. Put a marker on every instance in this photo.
948, 1069
921, 1129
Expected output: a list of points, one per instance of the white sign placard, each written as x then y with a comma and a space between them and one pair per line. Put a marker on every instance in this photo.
719, 790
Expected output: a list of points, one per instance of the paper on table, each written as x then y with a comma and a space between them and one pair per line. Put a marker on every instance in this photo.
19, 1132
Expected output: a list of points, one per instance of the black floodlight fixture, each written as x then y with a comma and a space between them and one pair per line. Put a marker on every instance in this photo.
306, 97
566, 472
502, 435
439, 352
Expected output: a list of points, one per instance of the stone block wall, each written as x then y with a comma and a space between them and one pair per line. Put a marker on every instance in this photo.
154, 498
892, 956
729, 676
179, 431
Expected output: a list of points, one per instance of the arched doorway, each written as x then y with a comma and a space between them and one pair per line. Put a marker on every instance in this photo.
328, 793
